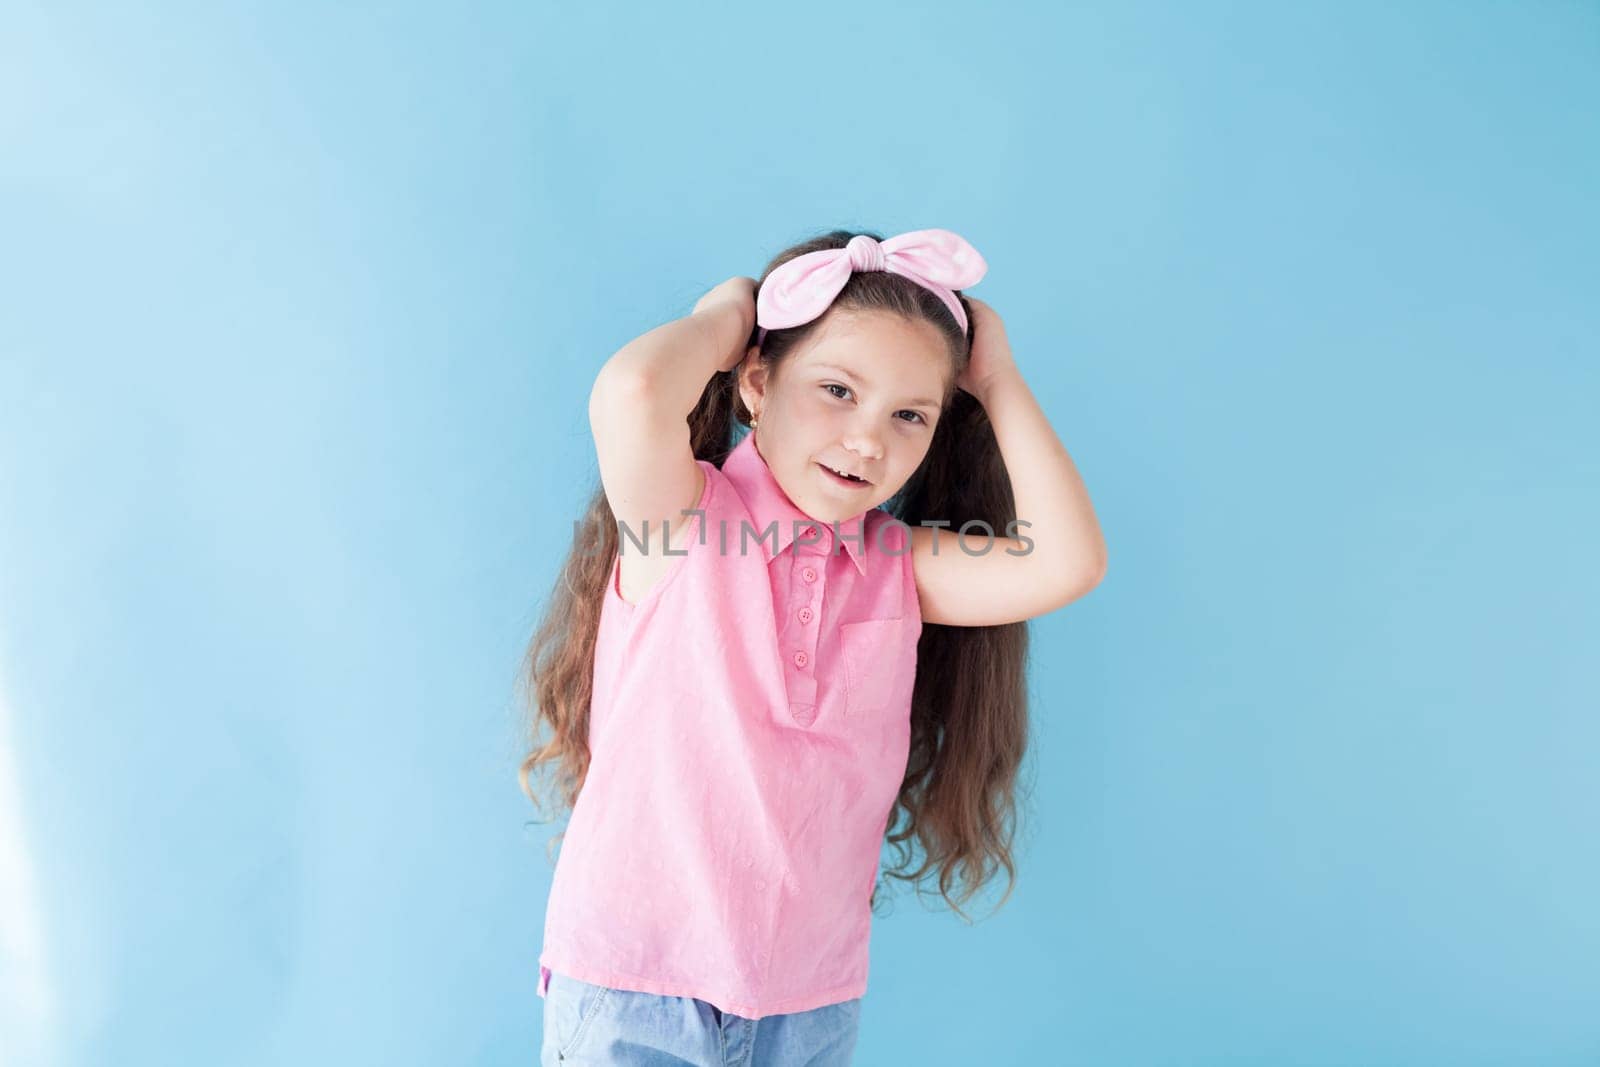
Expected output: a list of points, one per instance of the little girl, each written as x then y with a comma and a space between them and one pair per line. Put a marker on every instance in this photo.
766, 650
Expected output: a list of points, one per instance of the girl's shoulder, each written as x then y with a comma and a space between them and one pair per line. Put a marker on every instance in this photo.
885, 533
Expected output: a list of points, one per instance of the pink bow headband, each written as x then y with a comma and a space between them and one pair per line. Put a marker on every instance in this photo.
803, 288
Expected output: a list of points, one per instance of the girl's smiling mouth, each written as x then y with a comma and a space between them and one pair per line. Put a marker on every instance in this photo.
844, 480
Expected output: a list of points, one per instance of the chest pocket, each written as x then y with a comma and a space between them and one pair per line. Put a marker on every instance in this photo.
880, 663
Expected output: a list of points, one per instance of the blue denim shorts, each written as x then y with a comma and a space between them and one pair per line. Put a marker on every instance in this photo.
591, 1024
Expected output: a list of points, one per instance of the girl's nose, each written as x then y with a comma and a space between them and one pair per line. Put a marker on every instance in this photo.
864, 443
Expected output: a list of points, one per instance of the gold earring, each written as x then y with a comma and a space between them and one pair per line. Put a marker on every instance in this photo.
753, 420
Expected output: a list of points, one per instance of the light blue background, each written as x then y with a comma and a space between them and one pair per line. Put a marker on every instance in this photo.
300, 310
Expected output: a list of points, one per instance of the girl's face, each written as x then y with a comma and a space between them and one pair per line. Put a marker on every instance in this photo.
861, 396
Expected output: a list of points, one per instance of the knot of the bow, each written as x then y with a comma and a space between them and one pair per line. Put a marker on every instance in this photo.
865, 253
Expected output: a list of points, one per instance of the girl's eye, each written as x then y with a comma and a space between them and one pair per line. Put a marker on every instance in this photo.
916, 415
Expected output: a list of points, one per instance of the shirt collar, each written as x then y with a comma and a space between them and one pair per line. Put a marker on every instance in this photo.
768, 503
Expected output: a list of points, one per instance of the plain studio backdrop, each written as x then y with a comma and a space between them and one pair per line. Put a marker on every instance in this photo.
299, 310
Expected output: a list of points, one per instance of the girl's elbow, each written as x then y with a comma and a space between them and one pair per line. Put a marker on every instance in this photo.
1084, 580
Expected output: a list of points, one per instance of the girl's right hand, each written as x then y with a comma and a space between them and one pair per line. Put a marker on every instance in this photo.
739, 293
738, 290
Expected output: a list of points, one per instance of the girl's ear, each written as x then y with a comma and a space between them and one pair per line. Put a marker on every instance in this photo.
752, 380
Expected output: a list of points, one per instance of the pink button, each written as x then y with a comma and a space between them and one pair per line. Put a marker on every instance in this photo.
811, 531
809, 574
805, 614
800, 659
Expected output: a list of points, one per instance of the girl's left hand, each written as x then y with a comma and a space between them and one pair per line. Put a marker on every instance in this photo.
991, 349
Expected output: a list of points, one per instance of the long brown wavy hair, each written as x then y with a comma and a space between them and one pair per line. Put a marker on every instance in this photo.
969, 722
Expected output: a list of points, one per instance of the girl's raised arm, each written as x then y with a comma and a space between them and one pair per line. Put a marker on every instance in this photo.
639, 409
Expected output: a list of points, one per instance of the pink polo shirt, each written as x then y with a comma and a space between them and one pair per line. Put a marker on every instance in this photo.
748, 735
